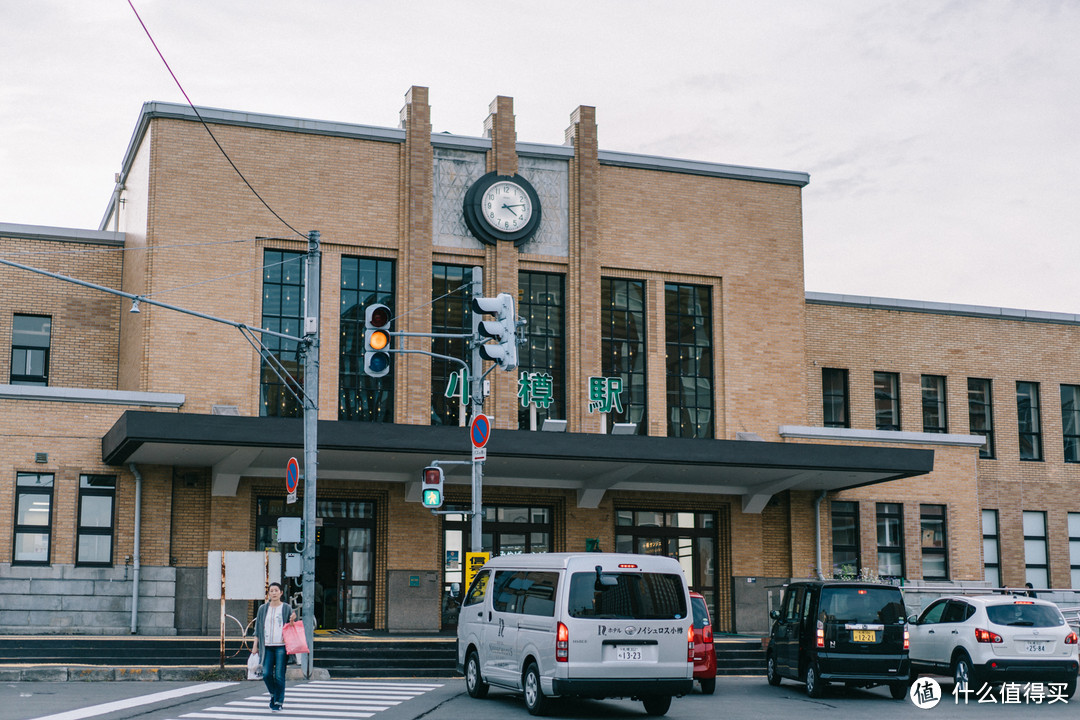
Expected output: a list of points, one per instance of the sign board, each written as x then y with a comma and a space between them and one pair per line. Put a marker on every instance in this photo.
479, 453
292, 479
480, 430
473, 562
246, 574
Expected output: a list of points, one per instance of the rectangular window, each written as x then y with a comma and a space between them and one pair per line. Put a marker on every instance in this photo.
364, 282
935, 545
981, 414
97, 494
1036, 557
846, 558
31, 336
1028, 421
1070, 422
991, 548
934, 418
890, 540
451, 312
887, 400
282, 311
688, 315
622, 345
33, 518
542, 302
1074, 549
834, 397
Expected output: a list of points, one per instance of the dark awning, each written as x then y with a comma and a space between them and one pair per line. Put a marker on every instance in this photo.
590, 463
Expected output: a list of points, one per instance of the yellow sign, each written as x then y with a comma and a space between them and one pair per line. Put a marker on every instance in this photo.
473, 562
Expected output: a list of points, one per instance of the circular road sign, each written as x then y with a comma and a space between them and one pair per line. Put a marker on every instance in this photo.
480, 430
292, 475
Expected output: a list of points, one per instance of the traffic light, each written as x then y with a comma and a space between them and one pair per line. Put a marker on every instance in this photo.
377, 340
503, 329
431, 489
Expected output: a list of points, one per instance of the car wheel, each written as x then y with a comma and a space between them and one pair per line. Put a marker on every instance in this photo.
708, 686
963, 674
656, 705
1070, 688
770, 670
815, 688
535, 701
898, 690
474, 683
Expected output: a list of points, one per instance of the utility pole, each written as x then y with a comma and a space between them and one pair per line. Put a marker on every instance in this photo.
311, 436
476, 375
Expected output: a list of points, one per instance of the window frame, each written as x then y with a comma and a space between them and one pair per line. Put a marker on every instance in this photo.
885, 511
887, 400
1044, 540
108, 531
684, 419
995, 538
275, 399
543, 352
44, 350
932, 406
850, 511
1028, 404
621, 356
987, 450
24, 529
1070, 422
926, 514
829, 397
1074, 544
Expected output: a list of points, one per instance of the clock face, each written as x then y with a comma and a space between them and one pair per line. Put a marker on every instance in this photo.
506, 206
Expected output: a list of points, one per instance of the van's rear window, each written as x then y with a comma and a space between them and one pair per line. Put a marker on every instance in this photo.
862, 605
635, 596
1022, 615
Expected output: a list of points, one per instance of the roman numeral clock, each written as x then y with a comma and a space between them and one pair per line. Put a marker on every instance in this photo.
502, 207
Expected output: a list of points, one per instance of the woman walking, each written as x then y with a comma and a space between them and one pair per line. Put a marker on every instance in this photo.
269, 622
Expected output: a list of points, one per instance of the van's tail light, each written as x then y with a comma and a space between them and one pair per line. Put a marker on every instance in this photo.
820, 634
562, 643
690, 644
907, 638
706, 634
985, 636
1071, 639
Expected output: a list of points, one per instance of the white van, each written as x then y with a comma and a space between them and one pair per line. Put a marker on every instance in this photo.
592, 625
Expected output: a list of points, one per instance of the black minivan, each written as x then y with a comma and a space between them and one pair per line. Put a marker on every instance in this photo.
838, 631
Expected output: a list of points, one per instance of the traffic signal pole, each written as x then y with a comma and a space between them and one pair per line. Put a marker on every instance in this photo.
311, 431
476, 376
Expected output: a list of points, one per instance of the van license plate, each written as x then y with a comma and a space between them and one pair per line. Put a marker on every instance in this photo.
1036, 647
863, 636
627, 653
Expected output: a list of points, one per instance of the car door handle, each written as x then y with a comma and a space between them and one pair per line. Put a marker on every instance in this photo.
929, 632
480, 614
955, 632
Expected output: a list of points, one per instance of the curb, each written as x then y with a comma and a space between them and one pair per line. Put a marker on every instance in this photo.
97, 673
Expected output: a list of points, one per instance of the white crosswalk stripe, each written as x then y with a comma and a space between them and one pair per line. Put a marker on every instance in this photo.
320, 700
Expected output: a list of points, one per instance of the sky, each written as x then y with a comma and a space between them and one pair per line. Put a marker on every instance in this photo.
941, 137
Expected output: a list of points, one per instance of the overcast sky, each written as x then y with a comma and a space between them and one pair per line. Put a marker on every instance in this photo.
941, 138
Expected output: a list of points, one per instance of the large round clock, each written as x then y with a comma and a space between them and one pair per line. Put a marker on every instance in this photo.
502, 207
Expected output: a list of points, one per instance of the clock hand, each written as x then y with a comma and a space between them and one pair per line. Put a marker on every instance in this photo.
511, 208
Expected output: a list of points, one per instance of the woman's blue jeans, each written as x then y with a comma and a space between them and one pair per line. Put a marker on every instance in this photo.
273, 662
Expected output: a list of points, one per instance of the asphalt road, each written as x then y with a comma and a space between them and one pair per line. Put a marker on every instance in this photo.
739, 697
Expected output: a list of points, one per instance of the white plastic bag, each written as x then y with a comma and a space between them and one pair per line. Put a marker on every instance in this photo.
254, 666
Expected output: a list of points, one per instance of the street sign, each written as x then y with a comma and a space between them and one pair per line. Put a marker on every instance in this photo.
473, 562
479, 454
480, 430
292, 479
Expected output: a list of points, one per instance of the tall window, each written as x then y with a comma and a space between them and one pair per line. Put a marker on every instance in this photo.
991, 538
622, 345
1074, 549
364, 282
935, 542
846, 558
1070, 422
887, 400
33, 518
1027, 418
934, 418
688, 311
890, 540
834, 397
981, 414
451, 295
97, 494
1036, 558
30, 339
542, 302
282, 310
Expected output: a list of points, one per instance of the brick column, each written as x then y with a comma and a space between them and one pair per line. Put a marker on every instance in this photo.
501, 260
583, 272
413, 372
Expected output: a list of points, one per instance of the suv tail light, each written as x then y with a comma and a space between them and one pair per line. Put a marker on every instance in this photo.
820, 634
907, 638
562, 643
690, 644
706, 634
985, 636
1071, 639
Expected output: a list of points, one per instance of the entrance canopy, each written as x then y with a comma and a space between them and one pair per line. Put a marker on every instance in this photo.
589, 463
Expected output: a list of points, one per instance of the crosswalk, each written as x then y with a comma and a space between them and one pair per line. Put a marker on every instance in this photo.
320, 700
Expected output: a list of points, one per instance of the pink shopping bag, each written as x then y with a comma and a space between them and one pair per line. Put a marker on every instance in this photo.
293, 634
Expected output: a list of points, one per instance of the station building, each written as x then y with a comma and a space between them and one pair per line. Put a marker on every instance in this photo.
763, 432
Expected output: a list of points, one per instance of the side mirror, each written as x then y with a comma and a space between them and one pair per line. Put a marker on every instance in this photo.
913, 619
774, 614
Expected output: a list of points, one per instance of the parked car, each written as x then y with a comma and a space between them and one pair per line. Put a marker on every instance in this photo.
837, 631
993, 639
704, 649
594, 625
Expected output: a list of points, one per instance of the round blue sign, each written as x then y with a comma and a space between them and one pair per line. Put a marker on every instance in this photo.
292, 475
480, 430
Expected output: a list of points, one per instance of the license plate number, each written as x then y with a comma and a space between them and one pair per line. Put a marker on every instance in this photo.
1035, 647
863, 636
627, 653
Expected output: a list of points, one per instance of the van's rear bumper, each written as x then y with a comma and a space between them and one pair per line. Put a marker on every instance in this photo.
599, 688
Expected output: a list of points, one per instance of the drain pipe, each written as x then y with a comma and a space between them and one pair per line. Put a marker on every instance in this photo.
135, 551
817, 533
